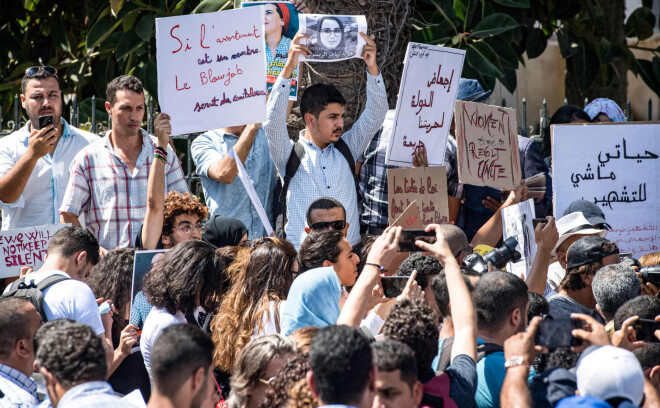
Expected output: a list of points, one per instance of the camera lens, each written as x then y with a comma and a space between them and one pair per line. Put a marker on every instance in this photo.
506, 253
651, 274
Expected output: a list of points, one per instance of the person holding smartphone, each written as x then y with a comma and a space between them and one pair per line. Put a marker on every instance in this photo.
34, 160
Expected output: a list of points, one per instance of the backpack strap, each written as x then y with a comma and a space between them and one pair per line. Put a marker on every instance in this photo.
346, 152
292, 166
432, 401
485, 349
34, 292
445, 355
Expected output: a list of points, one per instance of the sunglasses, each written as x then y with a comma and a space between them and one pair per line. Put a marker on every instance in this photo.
34, 71
335, 225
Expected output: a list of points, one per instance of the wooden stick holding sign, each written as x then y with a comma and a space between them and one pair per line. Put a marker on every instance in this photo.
245, 179
426, 185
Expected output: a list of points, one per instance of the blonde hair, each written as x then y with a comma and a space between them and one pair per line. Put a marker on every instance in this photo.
651, 259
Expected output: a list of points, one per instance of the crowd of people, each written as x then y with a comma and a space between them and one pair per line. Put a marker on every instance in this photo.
230, 316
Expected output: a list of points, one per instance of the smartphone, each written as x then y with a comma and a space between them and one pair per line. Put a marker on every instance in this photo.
45, 121
537, 221
393, 285
557, 333
408, 238
645, 329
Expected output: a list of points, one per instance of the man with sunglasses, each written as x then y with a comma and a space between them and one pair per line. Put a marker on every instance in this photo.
34, 161
326, 213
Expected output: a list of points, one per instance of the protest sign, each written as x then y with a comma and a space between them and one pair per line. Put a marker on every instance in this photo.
333, 38
25, 247
141, 266
212, 69
280, 26
426, 185
517, 223
252, 193
487, 142
426, 103
615, 166
410, 218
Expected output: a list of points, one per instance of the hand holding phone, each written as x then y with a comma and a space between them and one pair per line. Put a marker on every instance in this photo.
408, 238
393, 285
557, 333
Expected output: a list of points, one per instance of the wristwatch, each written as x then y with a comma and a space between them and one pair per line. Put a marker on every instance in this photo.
513, 361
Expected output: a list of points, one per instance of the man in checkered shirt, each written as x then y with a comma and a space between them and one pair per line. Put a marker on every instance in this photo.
323, 171
108, 178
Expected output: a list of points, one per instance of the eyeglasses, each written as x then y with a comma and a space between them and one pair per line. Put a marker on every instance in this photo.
189, 228
337, 225
34, 71
268, 381
326, 32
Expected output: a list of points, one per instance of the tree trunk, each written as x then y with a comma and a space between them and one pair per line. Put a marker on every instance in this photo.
389, 23
612, 30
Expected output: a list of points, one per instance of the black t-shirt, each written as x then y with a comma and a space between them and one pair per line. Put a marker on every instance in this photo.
138, 241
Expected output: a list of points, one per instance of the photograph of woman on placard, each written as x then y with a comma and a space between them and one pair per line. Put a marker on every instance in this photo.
333, 38
280, 25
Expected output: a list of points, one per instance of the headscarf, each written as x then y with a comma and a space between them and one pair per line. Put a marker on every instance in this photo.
224, 231
606, 106
284, 13
313, 300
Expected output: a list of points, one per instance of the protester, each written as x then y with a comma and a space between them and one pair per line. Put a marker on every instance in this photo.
103, 174
427, 268
342, 371
538, 306
182, 366
73, 362
34, 161
604, 110
326, 213
185, 278
224, 192
257, 365
649, 358
225, 232
303, 338
651, 259
644, 307
613, 286
591, 212
111, 279
323, 171
565, 114
290, 387
254, 304
329, 248
583, 259
19, 321
396, 378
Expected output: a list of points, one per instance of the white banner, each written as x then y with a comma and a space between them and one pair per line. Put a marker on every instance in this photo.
25, 247
517, 223
333, 38
426, 103
252, 193
615, 166
212, 69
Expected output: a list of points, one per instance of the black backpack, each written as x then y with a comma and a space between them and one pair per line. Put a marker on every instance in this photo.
297, 153
34, 293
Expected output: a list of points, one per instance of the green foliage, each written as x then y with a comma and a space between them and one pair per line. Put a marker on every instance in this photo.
496, 35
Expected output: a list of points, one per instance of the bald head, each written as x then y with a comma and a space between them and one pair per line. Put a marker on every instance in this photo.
455, 237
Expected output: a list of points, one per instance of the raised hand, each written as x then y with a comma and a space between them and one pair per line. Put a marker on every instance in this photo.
369, 54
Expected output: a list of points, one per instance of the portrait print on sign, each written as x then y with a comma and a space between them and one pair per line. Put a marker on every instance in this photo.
333, 38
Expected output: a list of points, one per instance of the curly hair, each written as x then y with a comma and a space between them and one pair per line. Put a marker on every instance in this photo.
110, 279
303, 338
301, 396
426, 266
319, 246
71, 351
279, 393
175, 280
252, 363
264, 279
176, 204
411, 322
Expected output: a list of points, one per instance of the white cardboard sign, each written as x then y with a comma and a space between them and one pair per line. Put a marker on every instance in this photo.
425, 107
212, 69
615, 166
517, 223
25, 247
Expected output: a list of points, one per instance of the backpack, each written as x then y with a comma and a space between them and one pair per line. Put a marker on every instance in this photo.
485, 349
297, 153
436, 393
34, 293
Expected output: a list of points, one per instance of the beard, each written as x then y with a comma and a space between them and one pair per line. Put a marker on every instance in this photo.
34, 115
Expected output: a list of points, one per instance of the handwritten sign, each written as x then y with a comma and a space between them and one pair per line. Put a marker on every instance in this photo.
25, 247
517, 223
615, 166
280, 26
426, 103
487, 141
252, 193
212, 69
410, 218
426, 185
333, 38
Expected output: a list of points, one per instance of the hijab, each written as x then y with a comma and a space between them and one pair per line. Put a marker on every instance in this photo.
224, 231
606, 106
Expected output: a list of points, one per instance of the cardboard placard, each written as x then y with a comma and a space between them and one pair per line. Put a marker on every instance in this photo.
615, 166
426, 185
487, 141
410, 218
212, 69
425, 107
25, 247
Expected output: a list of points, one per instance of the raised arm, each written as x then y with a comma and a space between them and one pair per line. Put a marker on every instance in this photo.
491, 232
546, 236
153, 218
276, 109
225, 170
77, 193
463, 313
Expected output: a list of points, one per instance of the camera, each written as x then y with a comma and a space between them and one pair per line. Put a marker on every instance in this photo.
499, 257
651, 274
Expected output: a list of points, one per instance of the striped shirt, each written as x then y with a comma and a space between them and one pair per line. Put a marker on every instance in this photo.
322, 172
113, 200
19, 390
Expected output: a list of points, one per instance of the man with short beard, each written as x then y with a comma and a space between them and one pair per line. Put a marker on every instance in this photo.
34, 162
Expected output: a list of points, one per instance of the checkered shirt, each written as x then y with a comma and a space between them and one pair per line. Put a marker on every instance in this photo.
19, 390
140, 310
113, 200
322, 172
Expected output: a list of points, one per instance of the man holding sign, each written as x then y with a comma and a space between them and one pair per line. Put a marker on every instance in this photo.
324, 170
